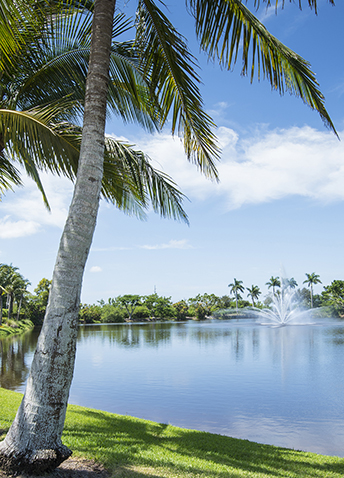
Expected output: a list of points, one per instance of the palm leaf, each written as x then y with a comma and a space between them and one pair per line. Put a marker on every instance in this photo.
226, 26
32, 138
311, 3
170, 69
133, 184
9, 175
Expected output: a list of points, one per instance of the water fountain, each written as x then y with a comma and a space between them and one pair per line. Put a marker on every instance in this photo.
284, 309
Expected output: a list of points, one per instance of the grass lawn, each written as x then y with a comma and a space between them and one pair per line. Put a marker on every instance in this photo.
134, 448
14, 327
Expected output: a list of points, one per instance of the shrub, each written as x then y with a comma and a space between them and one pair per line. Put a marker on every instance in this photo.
89, 314
111, 314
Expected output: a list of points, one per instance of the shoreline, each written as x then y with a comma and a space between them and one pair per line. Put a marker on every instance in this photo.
124, 446
21, 327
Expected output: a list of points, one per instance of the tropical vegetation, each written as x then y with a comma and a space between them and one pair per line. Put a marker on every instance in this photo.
31, 307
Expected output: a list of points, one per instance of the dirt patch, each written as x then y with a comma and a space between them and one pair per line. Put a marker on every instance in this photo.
71, 468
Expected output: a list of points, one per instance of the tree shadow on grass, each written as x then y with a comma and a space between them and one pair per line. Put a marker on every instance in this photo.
118, 441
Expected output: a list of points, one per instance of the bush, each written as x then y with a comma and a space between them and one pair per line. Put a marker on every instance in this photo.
89, 314
181, 310
201, 312
35, 312
112, 315
141, 312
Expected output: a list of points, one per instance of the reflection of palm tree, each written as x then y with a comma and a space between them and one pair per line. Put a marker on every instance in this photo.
273, 282
235, 288
254, 293
311, 280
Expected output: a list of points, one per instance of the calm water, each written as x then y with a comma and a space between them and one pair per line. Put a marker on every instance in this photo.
282, 386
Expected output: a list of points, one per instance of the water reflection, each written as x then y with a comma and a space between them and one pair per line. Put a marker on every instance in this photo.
274, 385
15, 359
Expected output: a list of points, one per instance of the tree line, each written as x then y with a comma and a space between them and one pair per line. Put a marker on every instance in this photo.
16, 302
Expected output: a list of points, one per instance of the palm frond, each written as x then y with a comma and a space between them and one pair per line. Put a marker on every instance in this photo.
226, 26
33, 139
171, 70
132, 184
313, 4
129, 93
9, 175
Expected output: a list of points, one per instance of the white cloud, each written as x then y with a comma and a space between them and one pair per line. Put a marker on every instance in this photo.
96, 269
26, 208
268, 165
12, 229
110, 249
173, 244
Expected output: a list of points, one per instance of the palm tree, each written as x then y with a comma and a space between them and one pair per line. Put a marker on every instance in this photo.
254, 293
9, 281
273, 282
4, 281
37, 110
292, 283
235, 288
311, 280
222, 27
19, 294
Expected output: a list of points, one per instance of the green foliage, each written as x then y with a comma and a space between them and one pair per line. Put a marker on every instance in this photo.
42, 292
35, 312
129, 302
37, 303
141, 312
333, 295
14, 327
181, 309
111, 314
89, 314
159, 307
201, 312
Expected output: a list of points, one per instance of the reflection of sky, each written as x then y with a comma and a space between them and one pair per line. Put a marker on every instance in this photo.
282, 386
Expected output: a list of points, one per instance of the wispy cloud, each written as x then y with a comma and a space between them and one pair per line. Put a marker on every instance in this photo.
173, 244
24, 212
96, 269
10, 229
265, 166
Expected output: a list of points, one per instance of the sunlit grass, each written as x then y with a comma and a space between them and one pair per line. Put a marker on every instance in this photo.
134, 448
12, 327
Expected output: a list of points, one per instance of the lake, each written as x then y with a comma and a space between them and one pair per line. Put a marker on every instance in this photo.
277, 385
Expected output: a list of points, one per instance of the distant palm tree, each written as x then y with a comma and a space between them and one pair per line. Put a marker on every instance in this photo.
254, 293
273, 282
16, 286
291, 283
311, 280
236, 287
7, 273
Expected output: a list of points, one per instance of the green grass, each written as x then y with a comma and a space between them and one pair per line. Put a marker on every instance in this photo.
12, 327
133, 448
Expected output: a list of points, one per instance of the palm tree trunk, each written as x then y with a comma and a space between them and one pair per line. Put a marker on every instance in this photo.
19, 307
10, 306
311, 296
33, 443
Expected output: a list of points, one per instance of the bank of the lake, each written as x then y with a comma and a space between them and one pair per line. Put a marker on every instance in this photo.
15, 328
131, 447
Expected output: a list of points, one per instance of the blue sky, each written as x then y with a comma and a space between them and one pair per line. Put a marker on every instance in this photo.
278, 206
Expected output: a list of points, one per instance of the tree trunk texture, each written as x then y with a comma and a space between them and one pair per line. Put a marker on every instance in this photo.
33, 443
